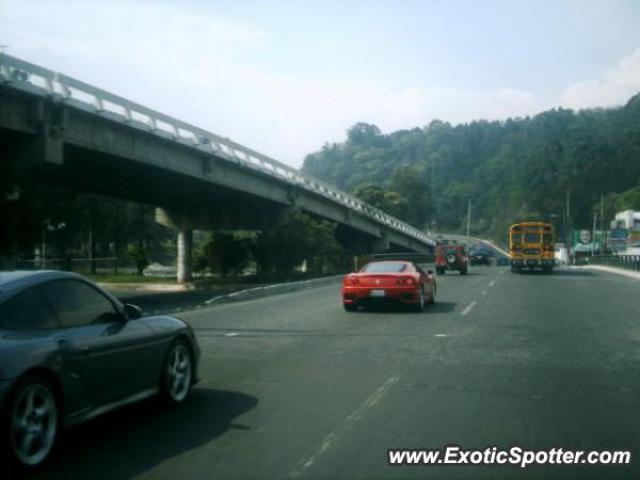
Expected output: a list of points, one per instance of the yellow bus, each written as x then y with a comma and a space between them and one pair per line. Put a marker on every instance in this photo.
531, 246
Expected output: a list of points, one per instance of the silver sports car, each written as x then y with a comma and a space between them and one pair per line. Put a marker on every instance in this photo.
69, 351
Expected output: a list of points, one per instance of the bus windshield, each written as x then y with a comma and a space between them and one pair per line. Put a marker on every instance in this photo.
532, 238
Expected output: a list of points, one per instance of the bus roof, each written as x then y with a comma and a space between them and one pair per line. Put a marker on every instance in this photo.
531, 224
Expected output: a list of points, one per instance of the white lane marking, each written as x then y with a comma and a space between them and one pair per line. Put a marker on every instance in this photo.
441, 335
492, 283
231, 334
603, 268
469, 307
484, 292
348, 422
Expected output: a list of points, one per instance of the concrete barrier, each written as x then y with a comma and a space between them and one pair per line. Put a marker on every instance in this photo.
276, 289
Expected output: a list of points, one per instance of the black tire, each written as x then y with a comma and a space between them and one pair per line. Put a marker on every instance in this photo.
440, 271
463, 271
432, 300
35, 402
177, 375
419, 307
350, 307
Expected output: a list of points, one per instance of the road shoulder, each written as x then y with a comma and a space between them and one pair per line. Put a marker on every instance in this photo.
618, 271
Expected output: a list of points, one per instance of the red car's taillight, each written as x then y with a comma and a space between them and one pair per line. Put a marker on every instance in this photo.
406, 281
353, 280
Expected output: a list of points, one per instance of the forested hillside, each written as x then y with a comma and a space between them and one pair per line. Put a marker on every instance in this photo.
511, 170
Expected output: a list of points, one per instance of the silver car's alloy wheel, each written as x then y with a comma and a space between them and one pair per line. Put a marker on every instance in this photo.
34, 424
419, 307
178, 372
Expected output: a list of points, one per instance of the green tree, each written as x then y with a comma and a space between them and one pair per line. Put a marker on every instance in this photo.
618, 202
224, 253
286, 246
513, 169
410, 184
364, 134
389, 202
139, 257
374, 195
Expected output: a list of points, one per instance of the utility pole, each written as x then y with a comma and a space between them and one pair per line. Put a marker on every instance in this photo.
47, 226
568, 225
602, 225
593, 232
43, 249
468, 222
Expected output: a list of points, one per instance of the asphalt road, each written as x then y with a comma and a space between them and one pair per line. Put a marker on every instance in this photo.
294, 387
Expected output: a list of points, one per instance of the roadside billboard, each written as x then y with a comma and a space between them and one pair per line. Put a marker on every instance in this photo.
617, 240
585, 241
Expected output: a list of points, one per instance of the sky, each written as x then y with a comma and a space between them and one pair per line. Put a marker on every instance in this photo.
285, 77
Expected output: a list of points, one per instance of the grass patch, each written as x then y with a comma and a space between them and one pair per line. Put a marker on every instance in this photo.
130, 278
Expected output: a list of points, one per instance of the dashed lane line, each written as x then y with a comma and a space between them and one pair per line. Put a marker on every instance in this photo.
346, 424
468, 308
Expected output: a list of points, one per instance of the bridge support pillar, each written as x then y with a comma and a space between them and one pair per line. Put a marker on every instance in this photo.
185, 250
180, 221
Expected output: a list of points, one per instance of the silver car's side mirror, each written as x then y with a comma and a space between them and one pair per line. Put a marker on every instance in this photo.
132, 312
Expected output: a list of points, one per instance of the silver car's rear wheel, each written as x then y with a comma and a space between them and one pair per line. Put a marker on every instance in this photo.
432, 299
418, 307
33, 423
178, 373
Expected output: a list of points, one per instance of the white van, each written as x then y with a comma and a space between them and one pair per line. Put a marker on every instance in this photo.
560, 254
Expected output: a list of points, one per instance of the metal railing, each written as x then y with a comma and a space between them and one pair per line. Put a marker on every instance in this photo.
629, 262
37, 80
84, 265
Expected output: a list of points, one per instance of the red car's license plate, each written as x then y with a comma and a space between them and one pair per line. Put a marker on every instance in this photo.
376, 293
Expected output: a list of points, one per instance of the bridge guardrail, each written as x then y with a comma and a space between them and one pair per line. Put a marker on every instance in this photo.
41, 81
629, 262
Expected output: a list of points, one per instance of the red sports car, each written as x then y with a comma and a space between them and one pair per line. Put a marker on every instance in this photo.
389, 281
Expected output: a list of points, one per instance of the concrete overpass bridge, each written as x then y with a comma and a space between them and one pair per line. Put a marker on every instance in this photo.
63, 131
